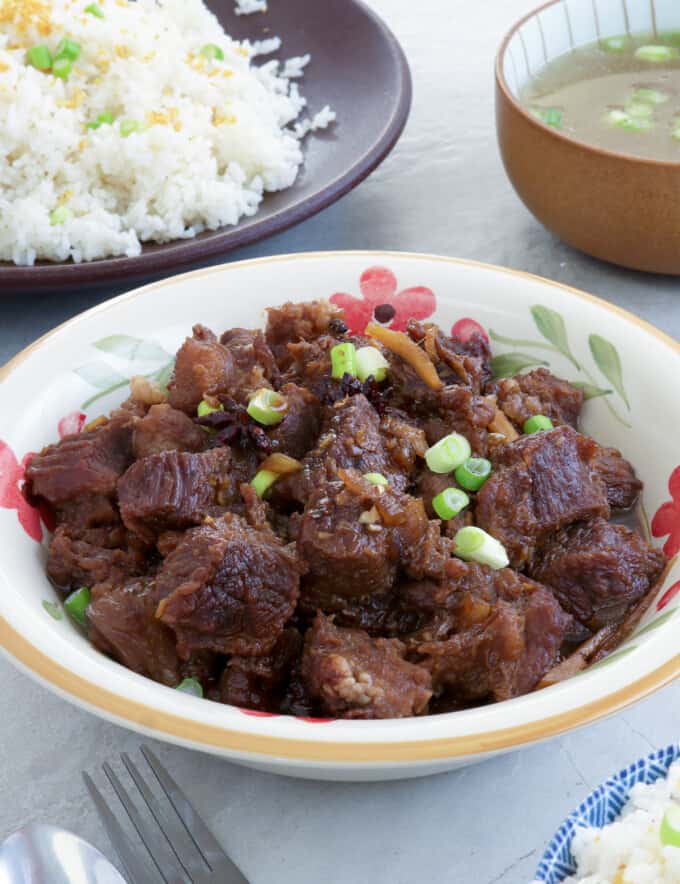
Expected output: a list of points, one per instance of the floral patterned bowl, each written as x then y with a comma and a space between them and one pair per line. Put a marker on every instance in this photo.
81, 370
600, 808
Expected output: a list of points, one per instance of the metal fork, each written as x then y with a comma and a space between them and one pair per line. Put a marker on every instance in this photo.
195, 856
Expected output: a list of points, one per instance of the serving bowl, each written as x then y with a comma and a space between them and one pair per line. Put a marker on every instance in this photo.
600, 808
619, 208
79, 371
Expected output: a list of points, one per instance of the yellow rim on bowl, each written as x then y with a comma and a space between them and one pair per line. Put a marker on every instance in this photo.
215, 738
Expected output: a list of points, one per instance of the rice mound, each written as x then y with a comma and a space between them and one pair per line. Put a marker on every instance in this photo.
629, 851
215, 135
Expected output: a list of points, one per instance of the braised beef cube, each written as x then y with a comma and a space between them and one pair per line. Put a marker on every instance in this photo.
85, 464
175, 490
308, 364
623, 486
164, 428
381, 614
598, 570
229, 588
350, 439
202, 367
253, 362
403, 439
352, 675
292, 323
539, 392
88, 511
260, 682
461, 411
299, 429
541, 483
503, 648
429, 485
121, 623
352, 537
82, 557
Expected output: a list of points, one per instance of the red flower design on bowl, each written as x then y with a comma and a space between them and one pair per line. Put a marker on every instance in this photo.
465, 329
666, 521
381, 302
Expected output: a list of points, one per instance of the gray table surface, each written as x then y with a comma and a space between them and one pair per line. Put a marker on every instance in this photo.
483, 824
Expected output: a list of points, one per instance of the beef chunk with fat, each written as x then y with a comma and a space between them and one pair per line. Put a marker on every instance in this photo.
539, 392
229, 588
176, 489
541, 483
292, 323
598, 570
164, 428
260, 682
203, 366
459, 410
352, 675
83, 557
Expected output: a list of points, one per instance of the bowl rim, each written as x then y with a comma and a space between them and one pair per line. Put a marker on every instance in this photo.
363, 748
550, 131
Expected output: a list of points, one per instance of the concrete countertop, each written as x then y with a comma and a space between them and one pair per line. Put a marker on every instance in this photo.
442, 190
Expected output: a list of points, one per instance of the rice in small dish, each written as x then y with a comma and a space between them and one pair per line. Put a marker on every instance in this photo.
126, 122
642, 846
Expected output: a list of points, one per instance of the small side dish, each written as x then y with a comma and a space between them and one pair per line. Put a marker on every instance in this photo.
323, 523
128, 122
619, 93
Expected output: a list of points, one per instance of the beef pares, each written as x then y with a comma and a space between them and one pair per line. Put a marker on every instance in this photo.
623, 486
229, 588
164, 428
598, 570
299, 429
85, 556
541, 483
77, 476
351, 675
539, 392
176, 490
293, 323
260, 682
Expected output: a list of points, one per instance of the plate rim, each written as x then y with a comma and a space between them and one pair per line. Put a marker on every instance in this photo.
183, 253
363, 748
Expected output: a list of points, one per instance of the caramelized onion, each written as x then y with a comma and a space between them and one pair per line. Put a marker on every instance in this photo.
401, 345
281, 464
500, 424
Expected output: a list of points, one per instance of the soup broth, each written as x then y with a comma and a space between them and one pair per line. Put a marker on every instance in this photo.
621, 94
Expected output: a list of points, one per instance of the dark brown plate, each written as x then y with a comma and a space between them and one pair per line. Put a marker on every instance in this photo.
357, 67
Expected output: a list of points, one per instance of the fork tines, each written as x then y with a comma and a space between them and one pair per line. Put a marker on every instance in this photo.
180, 844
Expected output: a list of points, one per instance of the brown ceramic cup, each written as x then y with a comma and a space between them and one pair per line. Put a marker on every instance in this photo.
618, 208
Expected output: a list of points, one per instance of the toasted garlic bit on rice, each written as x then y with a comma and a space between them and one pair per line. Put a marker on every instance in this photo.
181, 170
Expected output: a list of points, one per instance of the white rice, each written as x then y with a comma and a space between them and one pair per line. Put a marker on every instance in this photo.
216, 135
629, 851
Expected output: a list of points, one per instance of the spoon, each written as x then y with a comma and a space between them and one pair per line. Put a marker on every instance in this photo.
39, 854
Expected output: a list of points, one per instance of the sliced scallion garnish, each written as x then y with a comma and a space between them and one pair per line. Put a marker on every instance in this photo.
60, 215
448, 454
656, 54
190, 686
615, 44
263, 481
343, 361
39, 57
669, 831
649, 96
105, 119
376, 479
129, 127
62, 67
95, 10
537, 423
371, 362
472, 474
267, 407
77, 603
475, 545
551, 116
450, 503
212, 52
68, 48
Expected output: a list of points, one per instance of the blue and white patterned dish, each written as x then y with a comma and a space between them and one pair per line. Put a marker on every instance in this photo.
600, 808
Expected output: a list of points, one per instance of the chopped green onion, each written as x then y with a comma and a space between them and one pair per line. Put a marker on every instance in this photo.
371, 362
212, 52
39, 57
551, 116
52, 609
76, 604
615, 44
448, 454
656, 54
105, 119
343, 361
267, 407
450, 503
263, 481
376, 479
62, 68
649, 96
537, 423
60, 215
68, 48
190, 686
128, 127
205, 408
93, 9
622, 120
473, 473
640, 109
474, 545
669, 831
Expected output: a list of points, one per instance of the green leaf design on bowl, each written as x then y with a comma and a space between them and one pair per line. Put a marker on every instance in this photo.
509, 364
612, 658
590, 391
132, 349
655, 624
551, 325
607, 359
99, 375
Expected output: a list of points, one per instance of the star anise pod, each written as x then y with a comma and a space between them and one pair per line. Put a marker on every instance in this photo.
377, 394
234, 426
